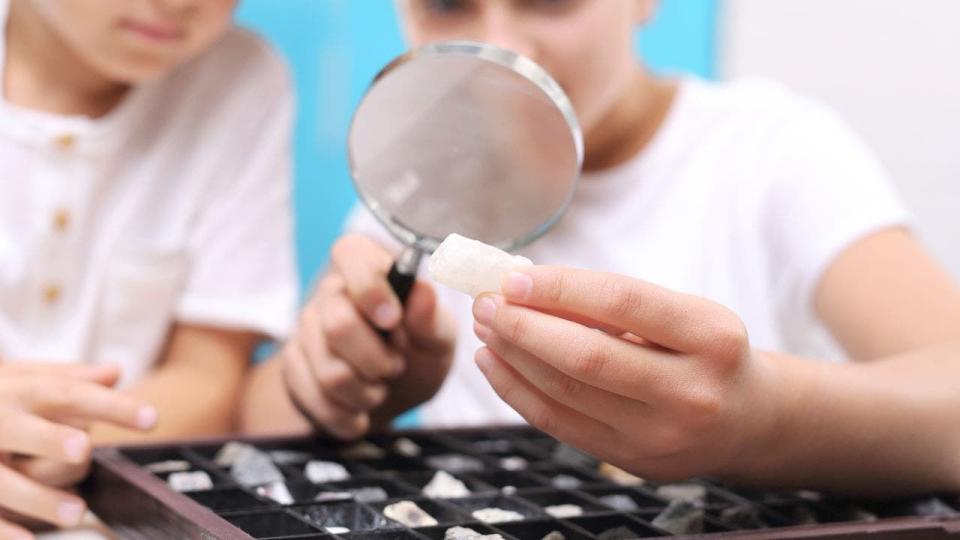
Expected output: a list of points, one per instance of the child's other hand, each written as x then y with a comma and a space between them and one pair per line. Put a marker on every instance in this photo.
337, 369
659, 383
44, 409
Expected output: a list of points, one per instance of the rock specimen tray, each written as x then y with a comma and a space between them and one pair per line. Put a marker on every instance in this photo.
516, 483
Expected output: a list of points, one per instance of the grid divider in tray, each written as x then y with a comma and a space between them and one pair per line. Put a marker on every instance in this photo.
550, 486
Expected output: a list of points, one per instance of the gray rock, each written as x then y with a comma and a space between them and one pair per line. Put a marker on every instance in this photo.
255, 469
463, 533
321, 472
513, 463
618, 533
563, 511
189, 481
694, 493
455, 463
496, 515
680, 517
289, 457
369, 494
742, 516
169, 466
406, 447
276, 491
409, 514
444, 485
623, 503
565, 481
231, 452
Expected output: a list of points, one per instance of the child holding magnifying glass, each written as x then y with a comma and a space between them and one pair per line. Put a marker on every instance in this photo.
735, 244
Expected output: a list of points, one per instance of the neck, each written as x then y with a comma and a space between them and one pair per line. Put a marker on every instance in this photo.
627, 127
44, 73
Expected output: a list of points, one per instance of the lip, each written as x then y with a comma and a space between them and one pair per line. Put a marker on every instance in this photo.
153, 31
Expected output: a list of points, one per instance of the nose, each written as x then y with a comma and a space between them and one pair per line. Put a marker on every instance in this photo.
504, 29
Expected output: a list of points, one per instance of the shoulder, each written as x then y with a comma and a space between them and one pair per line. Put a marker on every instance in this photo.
239, 71
766, 111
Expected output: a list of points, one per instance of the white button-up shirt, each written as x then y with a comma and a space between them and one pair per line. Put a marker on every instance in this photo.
175, 207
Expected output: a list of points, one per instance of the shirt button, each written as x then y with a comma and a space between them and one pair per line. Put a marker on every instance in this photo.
65, 141
51, 294
61, 220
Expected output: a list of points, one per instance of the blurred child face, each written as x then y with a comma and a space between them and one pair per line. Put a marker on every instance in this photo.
587, 45
131, 41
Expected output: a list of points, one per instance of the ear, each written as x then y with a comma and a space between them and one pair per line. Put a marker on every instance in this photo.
643, 11
402, 9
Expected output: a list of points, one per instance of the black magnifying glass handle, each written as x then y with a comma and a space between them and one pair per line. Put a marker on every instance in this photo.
402, 276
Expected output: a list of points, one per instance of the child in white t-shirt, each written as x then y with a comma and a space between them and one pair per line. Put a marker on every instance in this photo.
714, 225
145, 229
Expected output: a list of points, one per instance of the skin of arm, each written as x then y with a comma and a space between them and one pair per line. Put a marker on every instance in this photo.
195, 388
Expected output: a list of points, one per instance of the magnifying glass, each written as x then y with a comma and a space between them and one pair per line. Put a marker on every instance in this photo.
468, 138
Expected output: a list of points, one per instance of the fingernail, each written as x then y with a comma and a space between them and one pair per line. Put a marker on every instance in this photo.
75, 447
484, 359
484, 309
70, 512
517, 285
481, 331
146, 417
386, 315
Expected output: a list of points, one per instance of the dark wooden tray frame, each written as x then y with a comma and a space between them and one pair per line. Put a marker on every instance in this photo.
136, 504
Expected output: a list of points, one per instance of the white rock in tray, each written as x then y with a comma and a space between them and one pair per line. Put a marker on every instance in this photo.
463, 533
276, 491
409, 514
496, 515
444, 485
337, 530
470, 266
169, 466
513, 463
562, 511
406, 447
231, 452
320, 472
189, 481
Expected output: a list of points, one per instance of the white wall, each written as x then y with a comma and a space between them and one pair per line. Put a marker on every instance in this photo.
892, 69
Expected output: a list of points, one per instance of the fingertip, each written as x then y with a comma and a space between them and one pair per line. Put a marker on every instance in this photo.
517, 285
484, 359
77, 447
146, 417
71, 511
386, 315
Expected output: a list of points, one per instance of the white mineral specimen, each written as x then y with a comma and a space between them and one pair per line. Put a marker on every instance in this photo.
444, 485
320, 472
470, 266
562, 511
463, 533
406, 447
409, 514
232, 451
620, 476
169, 466
189, 481
497, 515
276, 491
337, 530
513, 463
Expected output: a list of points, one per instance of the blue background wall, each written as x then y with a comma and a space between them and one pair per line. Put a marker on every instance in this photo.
334, 48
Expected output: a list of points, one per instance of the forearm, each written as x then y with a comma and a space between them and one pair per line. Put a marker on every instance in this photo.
888, 426
265, 407
195, 389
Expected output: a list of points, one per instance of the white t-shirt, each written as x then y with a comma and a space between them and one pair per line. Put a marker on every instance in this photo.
745, 196
175, 207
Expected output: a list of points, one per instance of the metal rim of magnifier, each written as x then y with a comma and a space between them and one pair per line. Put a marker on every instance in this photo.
515, 62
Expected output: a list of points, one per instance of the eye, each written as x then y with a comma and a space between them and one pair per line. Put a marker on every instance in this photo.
445, 7
549, 6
